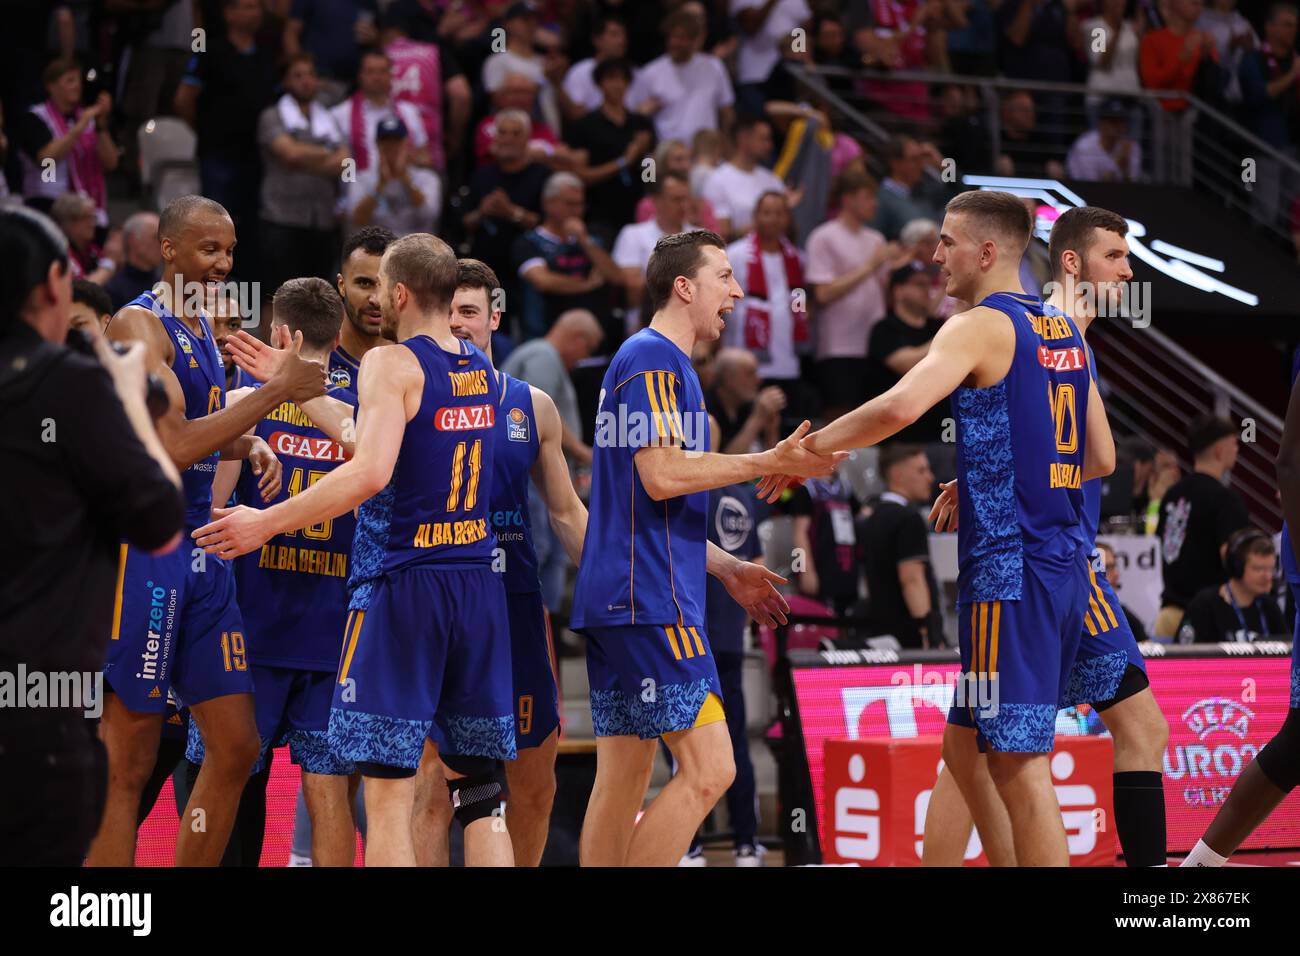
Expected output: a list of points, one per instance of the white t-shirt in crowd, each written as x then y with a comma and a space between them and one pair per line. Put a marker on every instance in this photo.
394, 210
1122, 76
760, 52
371, 114
632, 250
580, 85
844, 326
690, 94
733, 192
782, 362
1089, 161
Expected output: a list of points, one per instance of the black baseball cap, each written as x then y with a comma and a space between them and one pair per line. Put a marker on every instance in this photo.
903, 273
391, 127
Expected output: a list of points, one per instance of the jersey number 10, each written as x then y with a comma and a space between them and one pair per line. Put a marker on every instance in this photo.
1063, 413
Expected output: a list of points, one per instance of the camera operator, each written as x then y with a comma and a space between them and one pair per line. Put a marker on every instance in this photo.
83, 471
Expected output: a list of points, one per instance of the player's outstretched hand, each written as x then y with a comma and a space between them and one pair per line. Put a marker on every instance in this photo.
254, 356
264, 463
794, 460
753, 587
304, 378
235, 531
943, 513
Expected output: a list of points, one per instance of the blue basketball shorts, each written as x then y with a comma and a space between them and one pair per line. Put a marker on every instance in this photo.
430, 657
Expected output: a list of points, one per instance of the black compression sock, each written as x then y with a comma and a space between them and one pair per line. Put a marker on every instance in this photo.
1140, 817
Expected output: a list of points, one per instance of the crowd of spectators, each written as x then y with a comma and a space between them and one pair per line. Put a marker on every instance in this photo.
558, 141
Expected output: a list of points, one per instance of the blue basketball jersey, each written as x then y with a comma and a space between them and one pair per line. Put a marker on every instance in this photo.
293, 590
197, 366
1020, 449
440, 504
516, 451
369, 545
1288, 556
344, 370
643, 561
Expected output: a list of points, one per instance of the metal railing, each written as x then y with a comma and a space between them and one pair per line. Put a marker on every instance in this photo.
1200, 147
1153, 387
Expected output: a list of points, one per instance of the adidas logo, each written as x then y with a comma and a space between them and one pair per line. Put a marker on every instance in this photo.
155, 693
193, 363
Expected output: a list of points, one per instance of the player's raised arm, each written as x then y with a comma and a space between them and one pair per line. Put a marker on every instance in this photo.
958, 349
189, 440
262, 361
385, 379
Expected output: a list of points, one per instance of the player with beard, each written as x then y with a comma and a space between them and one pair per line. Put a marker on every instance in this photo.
1030, 431
358, 282
431, 653
176, 623
1090, 258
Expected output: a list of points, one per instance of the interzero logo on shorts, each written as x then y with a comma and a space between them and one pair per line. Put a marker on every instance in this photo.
158, 638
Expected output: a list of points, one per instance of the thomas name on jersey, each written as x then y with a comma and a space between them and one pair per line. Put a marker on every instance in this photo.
469, 383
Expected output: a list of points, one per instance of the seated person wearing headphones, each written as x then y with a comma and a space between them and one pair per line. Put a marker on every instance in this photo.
1243, 608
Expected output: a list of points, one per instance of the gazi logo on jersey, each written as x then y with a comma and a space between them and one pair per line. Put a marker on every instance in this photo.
1061, 360
518, 422
1209, 766
464, 418
304, 446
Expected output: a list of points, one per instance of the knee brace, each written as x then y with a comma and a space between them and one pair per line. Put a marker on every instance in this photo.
480, 791
1133, 682
1280, 758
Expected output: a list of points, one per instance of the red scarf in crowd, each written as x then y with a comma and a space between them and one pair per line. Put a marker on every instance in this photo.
758, 313
83, 161
360, 149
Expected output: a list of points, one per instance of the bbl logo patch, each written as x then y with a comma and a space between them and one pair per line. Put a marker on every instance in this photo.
518, 425
341, 378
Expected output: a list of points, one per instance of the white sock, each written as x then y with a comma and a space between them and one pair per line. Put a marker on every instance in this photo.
1202, 855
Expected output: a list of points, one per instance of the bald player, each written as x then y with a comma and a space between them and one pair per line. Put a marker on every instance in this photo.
176, 623
431, 652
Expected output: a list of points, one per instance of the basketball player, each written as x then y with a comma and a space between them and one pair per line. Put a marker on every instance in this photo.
1275, 771
176, 622
527, 445
293, 591
1090, 260
640, 591
1030, 430
358, 283
432, 648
